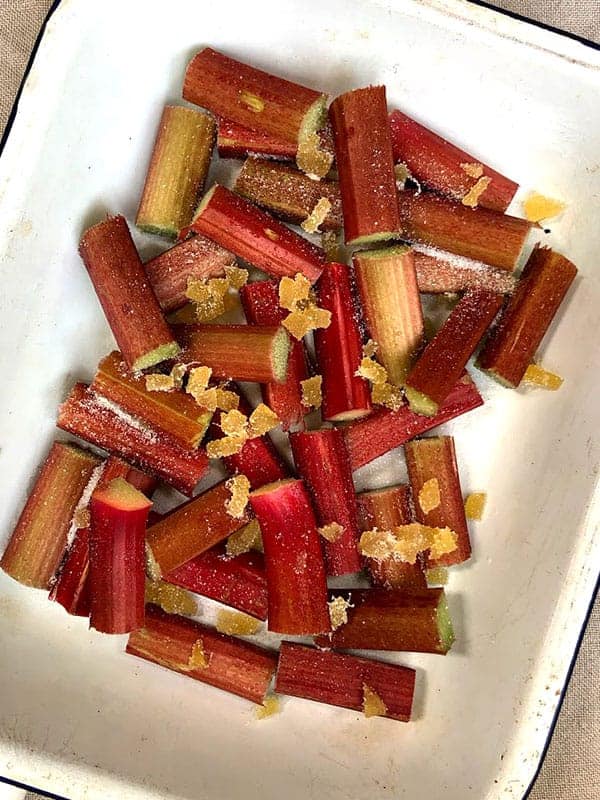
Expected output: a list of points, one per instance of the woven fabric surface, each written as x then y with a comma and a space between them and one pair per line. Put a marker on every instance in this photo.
571, 769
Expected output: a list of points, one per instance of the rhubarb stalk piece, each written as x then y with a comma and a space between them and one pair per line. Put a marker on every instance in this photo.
441, 272
260, 101
201, 653
116, 541
239, 582
391, 305
240, 352
255, 236
385, 509
177, 171
476, 233
260, 301
446, 168
369, 438
238, 141
511, 346
105, 424
296, 580
339, 348
287, 193
435, 459
431, 379
174, 413
190, 529
258, 460
196, 259
41, 534
322, 461
125, 294
393, 619
363, 152
344, 680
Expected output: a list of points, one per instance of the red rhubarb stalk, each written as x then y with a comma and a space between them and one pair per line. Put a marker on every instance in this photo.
339, 349
434, 459
446, 168
431, 379
239, 582
439, 272
238, 141
386, 509
322, 461
260, 302
41, 534
256, 236
363, 152
369, 438
190, 529
116, 541
125, 294
477, 233
201, 653
511, 346
296, 581
103, 423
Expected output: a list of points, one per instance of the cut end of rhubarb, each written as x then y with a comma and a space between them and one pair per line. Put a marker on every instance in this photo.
387, 252
492, 373
373, 238
444, 624
311, 157
166, 231
271, 487
349, 416
157, 356
122, 495
204, 202
420, 403
281, 352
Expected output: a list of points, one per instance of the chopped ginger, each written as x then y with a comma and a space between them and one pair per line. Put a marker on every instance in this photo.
438, 576
317, 216
246, 539
197, 659
227, 446
370, 349
170, 598
302, 321
270, 706
262, 420
429, 496
208, 297
471, 199
537, 207
207, 398
295, 296
373, 705
538, 376
178, 374
235, 623
198, 381
239, 486
81, 518
331, 532
311, 392
475, 505
331, 243
293, 290
311, 158
236, 276
372, 371
226, 399
338, 611
405, 542
234, 423
402, 174
443, 541
386, 394
474, 170
159, 383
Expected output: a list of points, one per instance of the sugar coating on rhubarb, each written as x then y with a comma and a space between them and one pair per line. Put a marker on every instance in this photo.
172, 599
475, 505
429, 495
235, 623
331, 532
373, 705
239, 486
156, 356
245, 539
312, 391
541, 378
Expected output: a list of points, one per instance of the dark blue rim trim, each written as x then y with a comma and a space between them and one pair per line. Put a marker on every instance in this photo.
589, 43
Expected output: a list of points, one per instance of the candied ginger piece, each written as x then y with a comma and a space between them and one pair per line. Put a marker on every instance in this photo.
438, 576
474, 170
370, 349
262, 420
402, 174
386, 394
233, 423
239, 486
198, 381
475, 505
377, 544
331, 244
331, 532
159, 383
178, 374
373, 705
172, 599
81, 518
317, 216
227, 446
235, 623
311, 391
537, 207
197, 659
429, 496
236, 276
443, 540
246, 539
338, 611
270, 706
372, 371
538, 376
298, 324
471, 199
226, 399
292, 290
311, 158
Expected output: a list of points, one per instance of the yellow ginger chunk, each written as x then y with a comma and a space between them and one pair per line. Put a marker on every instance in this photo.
438, 576
429, 496
443, 541
234, 623
234, 423
317, 216
370, 349
239, 486
262, 420
246, 539
207, 399
474, 170
159, 383
252, 101
198, 659
331, 532
386, 394
270, 706
402, 174
373, 705
198, 380
338, 611
293, 290
301, 322
538, 376
311, 158
475, 505
405, 542
227, 446
172, 599
331, 244
311, 392
372, 371
236, 276
208, 297
178, 374
471, 199
537, 207
226, 399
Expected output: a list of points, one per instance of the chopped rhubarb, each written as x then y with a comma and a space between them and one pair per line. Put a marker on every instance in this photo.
240, 352
116, 541
476, 233
201, 653
338, 348
260, 301
511, 346
296, 580
257, 237
439, 271
393, 619
322, 461
441, 364
238, 141
125, 294
363, 152
391, 305
386, 509
105, 424
344, 680
444, 167
41, 534
384, 430
197, 258
260, 101
435, 459
239, 582
177, 170
190, 529
287, 193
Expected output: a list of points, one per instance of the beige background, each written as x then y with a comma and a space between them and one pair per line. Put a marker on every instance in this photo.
571, 770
